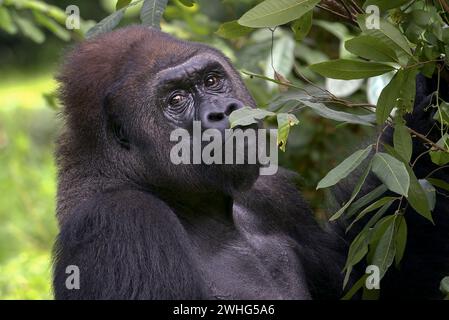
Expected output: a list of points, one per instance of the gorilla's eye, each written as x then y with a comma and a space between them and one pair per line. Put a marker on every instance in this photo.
211, 81
177, 98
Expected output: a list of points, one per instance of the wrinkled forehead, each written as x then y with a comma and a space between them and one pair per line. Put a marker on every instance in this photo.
166, 55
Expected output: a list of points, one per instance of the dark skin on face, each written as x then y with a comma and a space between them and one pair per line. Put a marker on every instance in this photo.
199, 90
140, 227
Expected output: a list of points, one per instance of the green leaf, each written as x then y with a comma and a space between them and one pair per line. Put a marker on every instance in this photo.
400, 239
385, 4
345, 168
379, 214
370, 48
302, 26
350, 69
354, 194
29, 29
390, 36
442, 115
385, 249
357, 250
51, 98
439, 183
417, 197
232, 30
51, 25
438, 157
107, 24
400, 92
151, 12
247, 116
430, 192
392, 173
187, 3
356, 287
121, 4
285, 121
328, 113
271, 13
387, 99
366, 199
403, 142
374, 206
6, 22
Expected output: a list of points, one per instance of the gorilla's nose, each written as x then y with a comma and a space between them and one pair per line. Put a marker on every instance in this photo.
216, 115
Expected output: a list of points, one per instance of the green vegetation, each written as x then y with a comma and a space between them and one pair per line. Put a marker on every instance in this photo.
27, 189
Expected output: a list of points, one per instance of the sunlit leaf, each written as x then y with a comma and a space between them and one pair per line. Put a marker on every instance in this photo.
285, 121
271, 13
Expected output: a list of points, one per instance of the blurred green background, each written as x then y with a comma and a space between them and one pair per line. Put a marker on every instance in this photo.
29, 124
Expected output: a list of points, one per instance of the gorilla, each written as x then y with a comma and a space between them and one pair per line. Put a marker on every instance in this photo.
140, 227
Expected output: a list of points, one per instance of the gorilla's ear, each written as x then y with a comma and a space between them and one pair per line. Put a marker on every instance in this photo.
114, 123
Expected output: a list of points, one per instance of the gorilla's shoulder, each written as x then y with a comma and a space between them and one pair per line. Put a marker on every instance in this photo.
118, 205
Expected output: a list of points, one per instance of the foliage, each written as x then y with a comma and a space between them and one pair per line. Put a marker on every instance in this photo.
31, 16
27, 193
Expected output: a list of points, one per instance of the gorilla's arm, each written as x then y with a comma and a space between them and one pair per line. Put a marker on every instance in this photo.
150, 254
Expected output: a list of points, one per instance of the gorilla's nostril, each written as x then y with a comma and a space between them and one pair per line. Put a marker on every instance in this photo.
231, 109
215, 116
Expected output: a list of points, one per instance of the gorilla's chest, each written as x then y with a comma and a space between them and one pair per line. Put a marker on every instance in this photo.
242, 262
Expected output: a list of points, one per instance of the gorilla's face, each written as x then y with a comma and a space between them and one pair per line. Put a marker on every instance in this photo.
198, 89
158, 92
